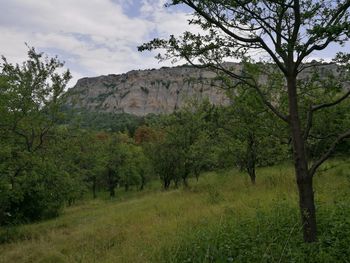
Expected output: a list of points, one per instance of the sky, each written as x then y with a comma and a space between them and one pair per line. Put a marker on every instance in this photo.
93, 37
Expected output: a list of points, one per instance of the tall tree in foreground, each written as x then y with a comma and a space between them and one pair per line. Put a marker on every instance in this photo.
286, 33
29, 112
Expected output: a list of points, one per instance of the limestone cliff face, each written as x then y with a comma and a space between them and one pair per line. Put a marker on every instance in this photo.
146, 91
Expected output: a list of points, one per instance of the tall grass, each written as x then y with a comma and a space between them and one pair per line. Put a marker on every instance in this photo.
222, 218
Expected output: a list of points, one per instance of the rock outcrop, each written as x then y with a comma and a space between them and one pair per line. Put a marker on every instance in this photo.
141, 92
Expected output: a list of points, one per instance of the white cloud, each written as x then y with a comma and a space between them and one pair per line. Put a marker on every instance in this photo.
167, 21
94, 37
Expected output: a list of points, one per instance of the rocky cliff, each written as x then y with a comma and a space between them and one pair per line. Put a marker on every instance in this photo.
146, 91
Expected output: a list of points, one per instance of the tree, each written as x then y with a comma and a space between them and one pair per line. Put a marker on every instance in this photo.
29, 108
112, 158
142, 165
144, 136
184, 149
287, 32
165, 160
130, 167
64, 151
254, 136
85, 151
123, 162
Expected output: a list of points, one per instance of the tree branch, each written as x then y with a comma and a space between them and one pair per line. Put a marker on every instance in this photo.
270, 106
260, 93
330, 104
219, 25
256, 40
328, 153
312, 109
332, 21
308, 123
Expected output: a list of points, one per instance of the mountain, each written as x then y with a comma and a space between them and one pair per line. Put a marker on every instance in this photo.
157, 91
141, 92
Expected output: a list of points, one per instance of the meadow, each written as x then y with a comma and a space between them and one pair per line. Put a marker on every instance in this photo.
220, 218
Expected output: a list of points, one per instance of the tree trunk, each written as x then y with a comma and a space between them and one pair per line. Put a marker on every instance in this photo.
307, 209
304, 180
166, 181
111, 183
166, 184
251, 172
196, 173
143, 182
251, 158
184, 181
94, 189
111, 191
176, 183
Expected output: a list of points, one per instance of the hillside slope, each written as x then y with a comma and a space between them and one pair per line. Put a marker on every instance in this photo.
221, 217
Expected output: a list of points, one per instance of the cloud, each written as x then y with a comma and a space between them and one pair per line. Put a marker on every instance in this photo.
94, 37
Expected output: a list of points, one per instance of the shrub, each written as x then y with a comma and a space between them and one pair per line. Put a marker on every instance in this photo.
37, 195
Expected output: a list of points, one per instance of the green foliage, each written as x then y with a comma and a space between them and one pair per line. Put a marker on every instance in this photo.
267, 236
130, 164
101, 121
82, 157
250, 135
185, 147
122, 162
31, 183
37, 196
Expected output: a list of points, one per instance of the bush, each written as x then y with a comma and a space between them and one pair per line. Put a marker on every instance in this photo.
37, 195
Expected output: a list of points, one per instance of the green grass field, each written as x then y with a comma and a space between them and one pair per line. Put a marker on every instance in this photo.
221, 218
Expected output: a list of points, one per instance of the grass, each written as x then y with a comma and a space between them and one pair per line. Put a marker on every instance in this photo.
221, 218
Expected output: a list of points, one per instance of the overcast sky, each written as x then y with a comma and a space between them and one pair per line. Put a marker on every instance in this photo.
93, 37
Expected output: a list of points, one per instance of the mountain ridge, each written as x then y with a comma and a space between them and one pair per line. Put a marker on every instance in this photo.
158, 91
142, 92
